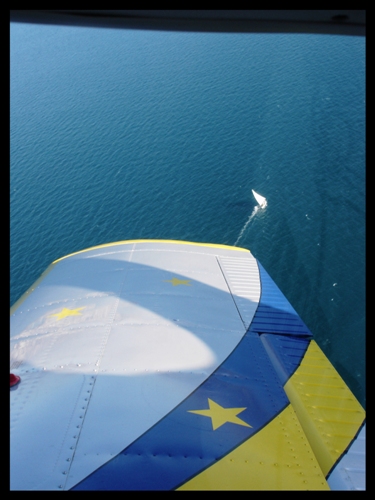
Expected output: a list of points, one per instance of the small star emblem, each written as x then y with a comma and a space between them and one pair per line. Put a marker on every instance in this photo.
176, 282
67, 312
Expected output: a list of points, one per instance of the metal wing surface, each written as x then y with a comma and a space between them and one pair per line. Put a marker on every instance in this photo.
164, 365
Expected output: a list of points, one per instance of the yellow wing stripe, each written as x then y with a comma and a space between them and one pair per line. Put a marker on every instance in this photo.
24, 296
278, 457
131, 242
329, 413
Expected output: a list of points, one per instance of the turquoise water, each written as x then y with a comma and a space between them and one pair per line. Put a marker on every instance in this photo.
132, 134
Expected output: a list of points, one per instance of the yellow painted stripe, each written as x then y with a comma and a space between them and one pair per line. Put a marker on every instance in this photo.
130, 242
278, 457
329, 413
31, 289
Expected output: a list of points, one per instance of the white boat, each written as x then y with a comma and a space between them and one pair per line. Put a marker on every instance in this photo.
260, 199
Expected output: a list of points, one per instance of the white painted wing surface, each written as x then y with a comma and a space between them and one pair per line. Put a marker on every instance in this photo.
112, 339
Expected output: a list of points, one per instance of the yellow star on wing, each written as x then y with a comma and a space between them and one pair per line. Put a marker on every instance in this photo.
176, 281
67, 312
220, 415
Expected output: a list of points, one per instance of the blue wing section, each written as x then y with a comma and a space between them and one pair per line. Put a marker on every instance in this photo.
275, 314
284, 335
285, 353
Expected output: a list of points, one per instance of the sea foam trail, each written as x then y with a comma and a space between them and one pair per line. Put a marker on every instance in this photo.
246, 224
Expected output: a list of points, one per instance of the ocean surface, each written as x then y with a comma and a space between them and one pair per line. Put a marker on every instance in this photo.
121, 135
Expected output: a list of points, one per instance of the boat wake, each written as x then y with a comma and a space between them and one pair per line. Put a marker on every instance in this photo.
247, 223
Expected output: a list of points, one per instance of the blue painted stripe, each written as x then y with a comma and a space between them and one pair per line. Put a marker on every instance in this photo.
286, 353
183, 444
275, 314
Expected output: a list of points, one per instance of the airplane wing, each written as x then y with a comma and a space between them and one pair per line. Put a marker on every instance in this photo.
334, 22
156, 365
